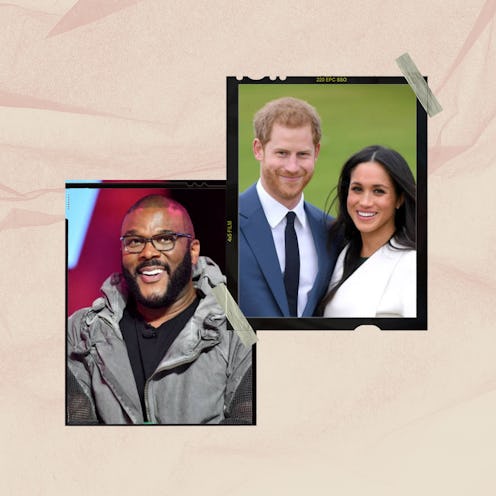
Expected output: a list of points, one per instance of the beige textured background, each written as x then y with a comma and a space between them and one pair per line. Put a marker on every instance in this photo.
136, 89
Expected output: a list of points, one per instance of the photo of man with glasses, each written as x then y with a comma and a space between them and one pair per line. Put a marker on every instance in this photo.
155, 348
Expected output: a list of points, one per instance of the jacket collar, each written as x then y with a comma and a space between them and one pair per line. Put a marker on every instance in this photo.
202, 330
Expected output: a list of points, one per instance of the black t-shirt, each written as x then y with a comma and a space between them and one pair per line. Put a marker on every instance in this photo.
147, 345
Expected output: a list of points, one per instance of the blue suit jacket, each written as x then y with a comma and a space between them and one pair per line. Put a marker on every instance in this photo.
261, 284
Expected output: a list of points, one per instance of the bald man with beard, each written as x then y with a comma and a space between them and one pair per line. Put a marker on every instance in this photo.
155, 348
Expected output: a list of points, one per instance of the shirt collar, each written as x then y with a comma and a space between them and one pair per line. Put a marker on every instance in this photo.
275, 212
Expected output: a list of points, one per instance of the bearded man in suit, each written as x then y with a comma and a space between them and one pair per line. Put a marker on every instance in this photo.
272, 212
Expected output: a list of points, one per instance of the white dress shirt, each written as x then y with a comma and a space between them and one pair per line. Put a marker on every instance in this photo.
275, 214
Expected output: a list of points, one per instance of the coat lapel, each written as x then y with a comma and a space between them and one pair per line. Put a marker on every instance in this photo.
319, 233
258, 235
110, 356
259, 239
367, 284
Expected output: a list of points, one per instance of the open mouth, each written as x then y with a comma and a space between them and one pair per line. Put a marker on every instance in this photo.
151, 274
366, 215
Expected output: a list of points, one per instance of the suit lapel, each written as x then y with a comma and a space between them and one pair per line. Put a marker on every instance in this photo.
258, 236
321, 282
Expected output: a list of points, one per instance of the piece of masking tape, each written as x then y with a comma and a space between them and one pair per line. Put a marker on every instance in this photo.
234, 315
418, 85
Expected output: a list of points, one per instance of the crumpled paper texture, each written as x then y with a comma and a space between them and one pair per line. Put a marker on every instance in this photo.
116, 89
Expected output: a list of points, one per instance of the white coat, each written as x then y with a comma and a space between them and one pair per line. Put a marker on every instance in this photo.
385, 285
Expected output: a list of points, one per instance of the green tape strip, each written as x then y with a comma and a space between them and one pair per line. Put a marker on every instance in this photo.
418, 85
235, 315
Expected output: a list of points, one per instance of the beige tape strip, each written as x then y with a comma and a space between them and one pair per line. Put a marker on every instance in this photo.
235, 315
418, 85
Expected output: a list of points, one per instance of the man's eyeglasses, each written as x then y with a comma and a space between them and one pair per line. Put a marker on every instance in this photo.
161, 242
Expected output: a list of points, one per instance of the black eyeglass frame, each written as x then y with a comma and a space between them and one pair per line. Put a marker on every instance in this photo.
174, 236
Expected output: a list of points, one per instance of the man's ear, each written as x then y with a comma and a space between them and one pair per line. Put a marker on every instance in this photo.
194, 250
258, 150
317, 150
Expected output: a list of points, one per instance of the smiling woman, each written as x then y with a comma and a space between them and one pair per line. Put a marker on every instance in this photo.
375, 275
371, 204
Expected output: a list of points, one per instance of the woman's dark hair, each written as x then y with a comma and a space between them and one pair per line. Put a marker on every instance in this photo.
343, 227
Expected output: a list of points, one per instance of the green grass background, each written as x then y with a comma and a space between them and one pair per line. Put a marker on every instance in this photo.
353, 116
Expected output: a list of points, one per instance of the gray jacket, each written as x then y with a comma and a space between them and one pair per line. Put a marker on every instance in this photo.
193, 384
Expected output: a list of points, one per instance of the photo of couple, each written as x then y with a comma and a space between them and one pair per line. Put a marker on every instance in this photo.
354, 257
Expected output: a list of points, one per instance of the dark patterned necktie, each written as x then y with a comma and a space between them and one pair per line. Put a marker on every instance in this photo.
292, 269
